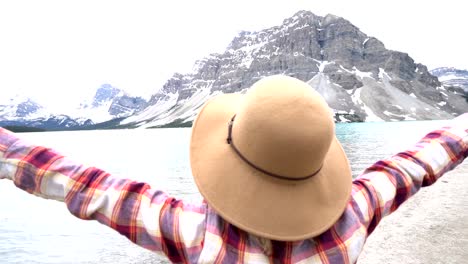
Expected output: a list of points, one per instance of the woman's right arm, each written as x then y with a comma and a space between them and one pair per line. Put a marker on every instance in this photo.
385, 185
148, 217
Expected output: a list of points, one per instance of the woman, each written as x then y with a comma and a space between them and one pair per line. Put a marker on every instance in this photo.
276, 183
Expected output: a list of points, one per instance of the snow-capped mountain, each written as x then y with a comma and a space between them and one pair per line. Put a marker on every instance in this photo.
24, 112
19, 107
360, 79
108, 103
452, 77
50, 122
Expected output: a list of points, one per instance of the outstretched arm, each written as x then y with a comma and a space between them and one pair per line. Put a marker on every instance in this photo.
148, 217
385, 185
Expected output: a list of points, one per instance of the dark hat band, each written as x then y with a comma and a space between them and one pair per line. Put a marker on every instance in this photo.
231, 143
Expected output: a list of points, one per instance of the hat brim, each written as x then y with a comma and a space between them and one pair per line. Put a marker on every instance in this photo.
257, 203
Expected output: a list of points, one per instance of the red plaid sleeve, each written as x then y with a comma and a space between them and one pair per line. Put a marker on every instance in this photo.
148, 217
385, 185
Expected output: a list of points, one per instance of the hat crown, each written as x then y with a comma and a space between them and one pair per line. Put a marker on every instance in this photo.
280, 127
284, 126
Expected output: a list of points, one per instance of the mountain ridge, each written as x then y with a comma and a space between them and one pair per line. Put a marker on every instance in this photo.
450, 76
109, 103
360, 79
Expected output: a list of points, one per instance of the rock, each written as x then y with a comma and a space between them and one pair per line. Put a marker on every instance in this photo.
360, 79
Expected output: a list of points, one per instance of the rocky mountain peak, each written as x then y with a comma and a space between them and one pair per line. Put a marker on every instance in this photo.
105, 93
330, 18
112, 102
27, 107
301, 40
360, 79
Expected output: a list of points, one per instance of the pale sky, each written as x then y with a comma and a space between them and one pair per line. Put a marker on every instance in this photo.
57, 51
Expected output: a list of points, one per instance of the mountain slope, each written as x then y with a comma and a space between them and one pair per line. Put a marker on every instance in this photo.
108, 103
452, 77
360, 79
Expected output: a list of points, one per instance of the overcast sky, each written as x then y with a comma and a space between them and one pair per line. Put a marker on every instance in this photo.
66, 49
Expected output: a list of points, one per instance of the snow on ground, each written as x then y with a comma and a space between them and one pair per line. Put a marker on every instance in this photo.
357, 72
322, 85
371, 116
247, 52
155, 110
383, 74
449, 77
393, 115
40, 113
361, 74
189, 107
321, 64
96, 114
185, 110
365, 41
8, 112
411, 101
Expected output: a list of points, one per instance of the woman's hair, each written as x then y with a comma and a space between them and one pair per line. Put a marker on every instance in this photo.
265, 244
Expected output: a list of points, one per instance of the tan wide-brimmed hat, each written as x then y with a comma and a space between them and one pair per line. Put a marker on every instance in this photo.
268, 161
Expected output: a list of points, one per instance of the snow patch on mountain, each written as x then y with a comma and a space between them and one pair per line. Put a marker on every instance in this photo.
361, 74
370, 115
171, 110
20, 107
448, 77
359, 78
161, 107
97, 114
108, 103
452, 77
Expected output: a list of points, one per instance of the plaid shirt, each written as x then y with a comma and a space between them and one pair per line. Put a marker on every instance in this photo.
194, 233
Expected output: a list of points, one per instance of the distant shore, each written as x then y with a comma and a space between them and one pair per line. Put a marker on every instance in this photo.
431, 227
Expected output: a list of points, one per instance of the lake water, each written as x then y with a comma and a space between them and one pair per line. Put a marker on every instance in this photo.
34, 230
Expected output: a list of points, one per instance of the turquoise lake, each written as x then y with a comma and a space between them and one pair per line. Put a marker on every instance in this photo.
34, 230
